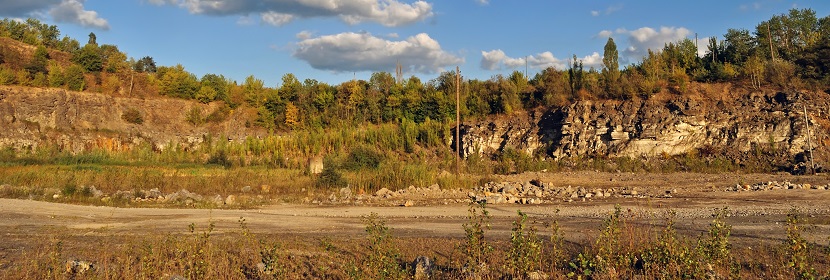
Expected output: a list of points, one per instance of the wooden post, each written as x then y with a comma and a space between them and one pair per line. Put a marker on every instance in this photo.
769, 35
809, 144
457, 122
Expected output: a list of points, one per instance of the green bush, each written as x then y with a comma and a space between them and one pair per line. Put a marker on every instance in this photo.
132, 116
330, 177
362, 157
220, 157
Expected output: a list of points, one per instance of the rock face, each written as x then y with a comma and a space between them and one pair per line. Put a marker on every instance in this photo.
669, 125
77, 121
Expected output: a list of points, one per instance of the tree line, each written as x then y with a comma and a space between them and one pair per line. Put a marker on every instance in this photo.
788, 50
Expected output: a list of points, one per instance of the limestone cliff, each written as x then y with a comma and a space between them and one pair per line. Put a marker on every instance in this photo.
667, 124
76, 121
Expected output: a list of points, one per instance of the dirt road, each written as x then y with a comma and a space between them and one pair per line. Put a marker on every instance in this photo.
754, 214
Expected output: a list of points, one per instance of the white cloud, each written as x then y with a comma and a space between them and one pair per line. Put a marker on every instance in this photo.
276, 19
71, 11
592, 61
305, 34
703, 45
350, 52
384, 12
646, 38
483, 2
498, 60
491, 60
609, 10
393, 35
605, 34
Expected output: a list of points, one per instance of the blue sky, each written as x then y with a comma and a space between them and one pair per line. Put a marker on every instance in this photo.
335, 40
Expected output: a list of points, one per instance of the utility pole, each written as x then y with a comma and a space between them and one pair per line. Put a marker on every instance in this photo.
809, 145
769, 36
457, 122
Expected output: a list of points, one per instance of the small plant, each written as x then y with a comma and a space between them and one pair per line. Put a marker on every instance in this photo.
382, 261
132, 116
195, 116
716, 247
476, 249
270, 265
526, 250
608, 243
797, 248
583, 267
198, 255
557, 250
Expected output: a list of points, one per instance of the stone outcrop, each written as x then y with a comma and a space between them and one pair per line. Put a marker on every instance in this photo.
78, 121
669, 125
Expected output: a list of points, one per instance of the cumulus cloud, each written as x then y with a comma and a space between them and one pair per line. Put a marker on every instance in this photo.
281, 12
498, 60
349, 52
592, 61
646, 38
605, 34
71, 11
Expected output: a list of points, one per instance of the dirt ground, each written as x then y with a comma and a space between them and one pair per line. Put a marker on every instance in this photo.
757, 216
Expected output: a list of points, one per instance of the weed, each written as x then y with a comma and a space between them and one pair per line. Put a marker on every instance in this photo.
476, 249
797, 248
198, 254
583, 267
716, 247
557, 242
269, 254
526, 248
382, 260
608, 243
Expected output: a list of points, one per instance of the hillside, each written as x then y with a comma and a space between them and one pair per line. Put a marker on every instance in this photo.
718, 121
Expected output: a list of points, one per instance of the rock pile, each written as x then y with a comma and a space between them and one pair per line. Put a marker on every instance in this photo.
401, 197
775, 185
536, 192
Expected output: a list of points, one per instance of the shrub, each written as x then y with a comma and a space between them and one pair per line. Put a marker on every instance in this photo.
797, 248
194, 116
330, 177
220, 157
475, 248
132, 116
526, 248
219, 115
362, 158
382, 260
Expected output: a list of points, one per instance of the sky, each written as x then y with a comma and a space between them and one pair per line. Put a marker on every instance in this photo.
337, 40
